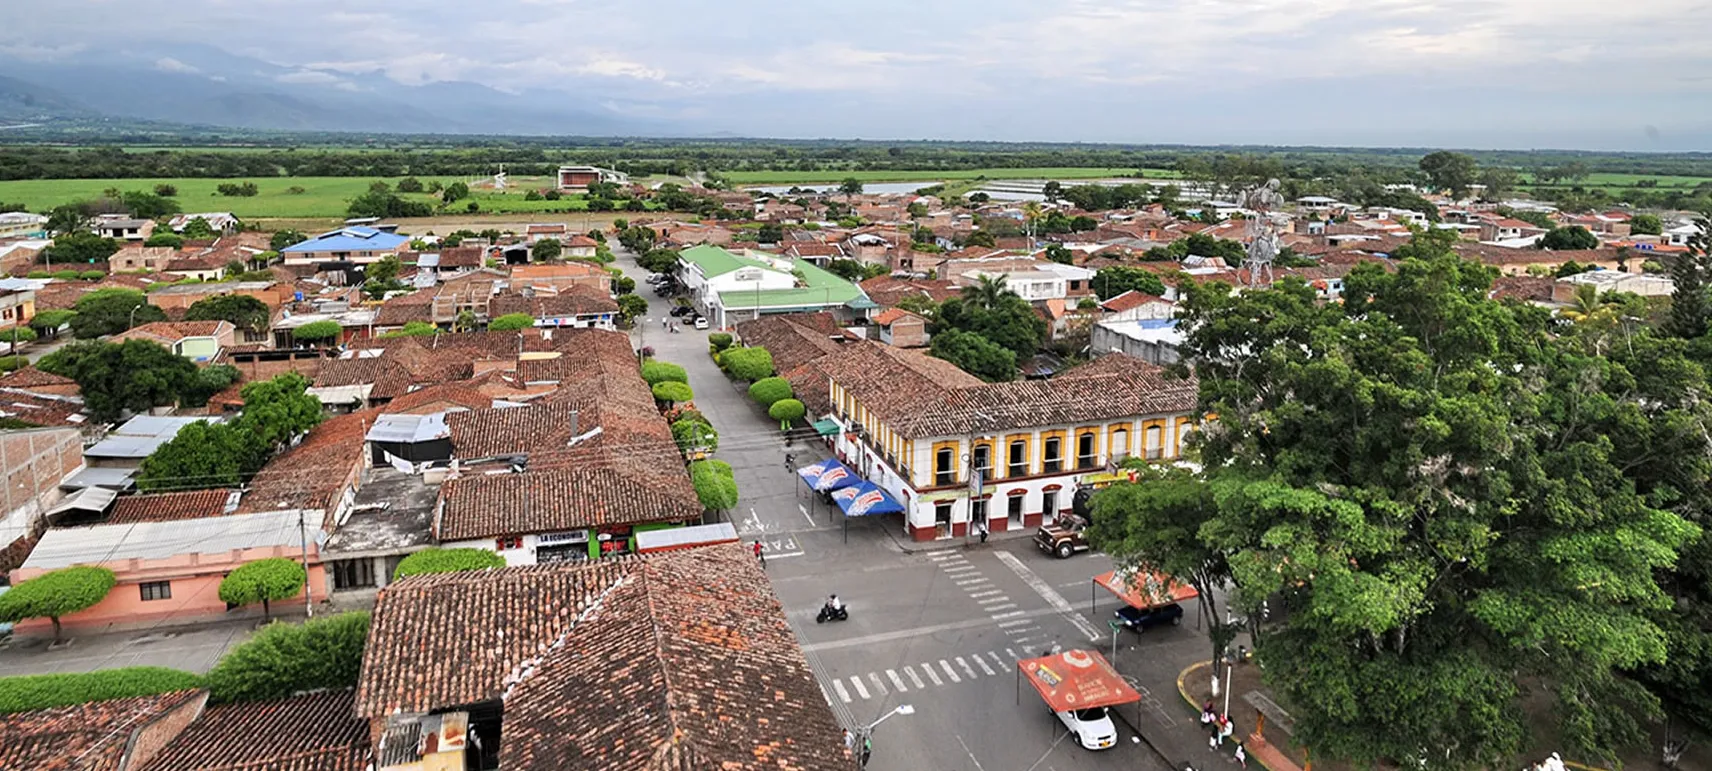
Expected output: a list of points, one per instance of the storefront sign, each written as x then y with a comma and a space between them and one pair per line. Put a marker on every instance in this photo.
574, 536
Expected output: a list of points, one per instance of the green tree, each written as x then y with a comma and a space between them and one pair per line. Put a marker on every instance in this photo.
438, 560
1499, 182
111, 311
1057, 253
207, 382
630, 306
719, 341
1010, 322
17, 335
166, 191
987, 293
264, 581
145, 205
1690, 311
715, 485
511, 321
850, 187
199, 229
280, 409
135, 375
49, 322
1113, 281
658, 260
165, 238
78, 248
283, 659
318, 332
454, 192
55, 594
1449, 171
786, 411
661, 372
1646, 225
245, 312
545, 249
28, 693
409, 185
694, 434
1572, 237
672, 391
284, 238
769, 390
975, 355
747, 363
202, 455
981, 238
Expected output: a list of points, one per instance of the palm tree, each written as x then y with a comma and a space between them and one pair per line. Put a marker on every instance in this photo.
1585, 304
988, 293
1031, 215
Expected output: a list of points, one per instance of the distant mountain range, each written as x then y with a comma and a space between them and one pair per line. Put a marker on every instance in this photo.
204, 86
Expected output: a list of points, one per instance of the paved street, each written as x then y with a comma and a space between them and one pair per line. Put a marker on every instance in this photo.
939, 629
194, 649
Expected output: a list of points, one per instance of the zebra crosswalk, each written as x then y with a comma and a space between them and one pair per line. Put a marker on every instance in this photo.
992, 601
952, 670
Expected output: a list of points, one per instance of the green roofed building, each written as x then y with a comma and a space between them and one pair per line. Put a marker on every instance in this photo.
732, 287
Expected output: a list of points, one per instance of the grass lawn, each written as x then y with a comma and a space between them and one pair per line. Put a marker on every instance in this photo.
1057, 172
321, 196
1608, 179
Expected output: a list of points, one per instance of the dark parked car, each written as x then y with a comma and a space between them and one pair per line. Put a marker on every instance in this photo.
683, 310
1143, 620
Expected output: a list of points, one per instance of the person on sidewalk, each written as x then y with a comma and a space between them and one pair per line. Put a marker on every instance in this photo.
1208, 715
1241, 755
981, 527
760, 553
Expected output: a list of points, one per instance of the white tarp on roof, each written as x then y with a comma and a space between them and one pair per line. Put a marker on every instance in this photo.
409, 428
87, 499
345, 394
63, 547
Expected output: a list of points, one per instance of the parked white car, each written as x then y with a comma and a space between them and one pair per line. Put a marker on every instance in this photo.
1092, 728
701, 322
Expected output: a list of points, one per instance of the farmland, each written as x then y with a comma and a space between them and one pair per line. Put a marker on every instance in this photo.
320, 197
939, 175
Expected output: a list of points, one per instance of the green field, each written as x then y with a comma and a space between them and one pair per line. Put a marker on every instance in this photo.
1607, 179
1060, 172
321, 196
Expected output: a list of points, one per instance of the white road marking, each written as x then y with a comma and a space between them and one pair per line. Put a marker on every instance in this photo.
969, 670
804, 510
1012, 653
1006, 606
970, 753
963, 568
1003, 616
838, 685
1021, 640
905, 634
897, 682
984, 593
927, 668
861, 690
913, 678
772, 556
1018, 622
939, 555
984, 667
879, 687
999, 661
948, 671
1049, 594
971, 581
991, 600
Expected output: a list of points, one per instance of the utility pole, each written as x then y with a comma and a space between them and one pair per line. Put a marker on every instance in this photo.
308, 586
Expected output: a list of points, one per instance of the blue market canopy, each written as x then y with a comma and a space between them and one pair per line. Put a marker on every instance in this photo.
828, 475
864, 499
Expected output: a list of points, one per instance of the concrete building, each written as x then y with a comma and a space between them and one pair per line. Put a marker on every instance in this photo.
580, 177
1153, 340
731, 287
22, 224
359, 245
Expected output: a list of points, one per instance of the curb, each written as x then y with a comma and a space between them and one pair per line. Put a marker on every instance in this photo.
970, 544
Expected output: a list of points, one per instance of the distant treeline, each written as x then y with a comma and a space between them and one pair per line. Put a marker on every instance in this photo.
349, 156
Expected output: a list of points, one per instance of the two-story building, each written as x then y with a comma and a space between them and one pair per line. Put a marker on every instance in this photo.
360, 245
730, 287
124, 228
22, 224
917, 427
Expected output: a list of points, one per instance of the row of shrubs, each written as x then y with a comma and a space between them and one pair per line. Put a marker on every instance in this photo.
70, 275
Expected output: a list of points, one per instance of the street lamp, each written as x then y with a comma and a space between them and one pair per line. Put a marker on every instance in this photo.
866, 733
901, 709
131, 320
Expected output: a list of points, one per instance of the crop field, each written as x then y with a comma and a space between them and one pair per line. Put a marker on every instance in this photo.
1607, 179
931, 175
277, 197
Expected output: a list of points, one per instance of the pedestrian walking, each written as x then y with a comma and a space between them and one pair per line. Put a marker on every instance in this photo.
1241, 755
981, 527
1208, 714
760, 553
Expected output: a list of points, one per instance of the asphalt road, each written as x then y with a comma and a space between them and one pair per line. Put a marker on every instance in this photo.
939, 629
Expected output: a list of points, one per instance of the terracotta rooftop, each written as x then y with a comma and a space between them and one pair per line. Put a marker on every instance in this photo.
30, 377
890, 315
88, 737
579, 300
175, 330
313, 474
313, 732
438, 398
680, 660
169, 507
1129, 300
888, 291
559, 499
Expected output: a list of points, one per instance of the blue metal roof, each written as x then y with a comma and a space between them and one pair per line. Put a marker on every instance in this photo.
354, 239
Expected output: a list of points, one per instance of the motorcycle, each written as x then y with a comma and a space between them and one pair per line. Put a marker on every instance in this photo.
829, 613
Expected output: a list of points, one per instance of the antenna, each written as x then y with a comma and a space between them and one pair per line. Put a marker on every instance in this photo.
1263, 234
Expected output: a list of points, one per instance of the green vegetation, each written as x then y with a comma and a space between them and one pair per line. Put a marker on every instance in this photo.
111, 311
245, 312
693, 434
446, 561
511, 321
283, 659
715, 484
135, 375
204, 455
786, 411
320, 196
672, 391
975, 355
410, 329
55, 594
318, 332
27, 693
933, 175
719, 341
769, 390
747, 363
263, 581
661, 372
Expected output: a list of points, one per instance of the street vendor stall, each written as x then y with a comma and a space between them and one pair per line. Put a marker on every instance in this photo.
862, 500
1076, 685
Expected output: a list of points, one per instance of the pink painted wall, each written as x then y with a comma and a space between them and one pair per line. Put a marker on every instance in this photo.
195, 582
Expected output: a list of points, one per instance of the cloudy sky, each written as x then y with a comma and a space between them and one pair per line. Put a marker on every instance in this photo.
1470, 73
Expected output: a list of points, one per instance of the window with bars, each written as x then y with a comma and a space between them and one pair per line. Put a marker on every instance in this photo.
353, 574
155, 590
1085, 445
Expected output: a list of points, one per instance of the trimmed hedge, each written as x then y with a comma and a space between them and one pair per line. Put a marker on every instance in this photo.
9, 363
672, 391
719, 340
263, 581
447, 561
662, 372
749, 364
31, 692
769, 390
785, 411
511, 321
715, 484
283, 659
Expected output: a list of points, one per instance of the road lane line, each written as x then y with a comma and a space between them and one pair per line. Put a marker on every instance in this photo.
879, 687
1003, 616
1011, 652
913, 678
931, 675
861, 690
1006, 606
984, 667
1049, 594
966, 668
905, 634
985, 593
838, 685
783, 555
1000, 661
949, 672
804, 510
1017, 622
991, 600
897, 682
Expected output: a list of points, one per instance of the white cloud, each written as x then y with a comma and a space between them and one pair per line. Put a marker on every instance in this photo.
308, 77
620, 68
169, 64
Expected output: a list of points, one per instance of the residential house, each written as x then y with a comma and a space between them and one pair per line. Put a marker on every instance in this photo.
1508, 229
391, 516
35, 462
198, 341
901, 328
136, 257
1135, 305
888, 291
813, 251
579, 178
729, 287
201, 268
18, 256
916, 426
358, 245
313, 731
123, 228
548, 278
577, 306
798, 342
33, 380
535, 669
221, 221
1680, 235
22, 224
111, 735
17, 307
537, 232
579, 247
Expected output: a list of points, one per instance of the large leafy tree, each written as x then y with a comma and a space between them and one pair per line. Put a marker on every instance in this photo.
111, 311
1572, 237
1449, 501
446, 561
1690, 310
56, 594
277, 410
263, 581
283, 659
114, 377
203, 455
1005, 320
80, 247
975, 355
243, 311
1450, 171
1113, 281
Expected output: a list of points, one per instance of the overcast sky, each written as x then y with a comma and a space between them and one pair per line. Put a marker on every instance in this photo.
1474, 73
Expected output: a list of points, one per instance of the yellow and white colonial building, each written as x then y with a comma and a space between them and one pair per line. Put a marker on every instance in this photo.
918, 426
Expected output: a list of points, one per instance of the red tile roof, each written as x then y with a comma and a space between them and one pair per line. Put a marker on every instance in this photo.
313, 474
85, 737
169, 507
313, 732
890, 315
176, 330
1128, 300
439, 398
30, 377
578, 300
555, 500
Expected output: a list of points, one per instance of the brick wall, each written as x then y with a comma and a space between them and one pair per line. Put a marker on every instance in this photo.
34, 461
148, 741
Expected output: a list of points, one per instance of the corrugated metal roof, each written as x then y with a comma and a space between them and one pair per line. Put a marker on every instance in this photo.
409, 428
344, 394
87, 499
63, 547
111, 478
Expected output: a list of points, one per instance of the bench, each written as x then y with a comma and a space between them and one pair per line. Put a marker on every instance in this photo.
1266, 706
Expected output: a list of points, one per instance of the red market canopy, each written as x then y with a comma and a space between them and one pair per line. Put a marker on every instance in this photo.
1146, 590
1076, 680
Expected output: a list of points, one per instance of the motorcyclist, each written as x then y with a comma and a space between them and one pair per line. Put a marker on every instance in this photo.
834, 604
